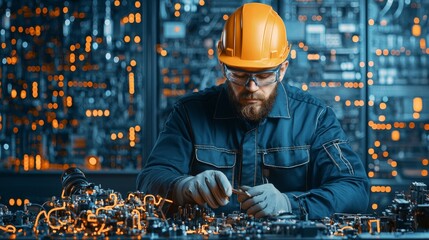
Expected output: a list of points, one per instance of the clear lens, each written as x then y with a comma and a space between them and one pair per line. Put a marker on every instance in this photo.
242, 78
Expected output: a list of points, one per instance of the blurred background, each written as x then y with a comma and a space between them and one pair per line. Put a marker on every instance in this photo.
89, 83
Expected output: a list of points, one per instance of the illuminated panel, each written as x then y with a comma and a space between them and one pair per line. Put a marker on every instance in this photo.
71, 74
397, 87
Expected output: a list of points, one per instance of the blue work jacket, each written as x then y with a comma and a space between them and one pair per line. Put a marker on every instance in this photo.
300, 148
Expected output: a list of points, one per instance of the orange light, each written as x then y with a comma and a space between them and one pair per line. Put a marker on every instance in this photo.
394, 173
394, 164
348, 103
385, 154
92, 161
374, 206
416, 20
113, 136
417, 104
396, 135
424, 173
416, 30
304, 87
378, 52
371, 174
425, 162
385, 52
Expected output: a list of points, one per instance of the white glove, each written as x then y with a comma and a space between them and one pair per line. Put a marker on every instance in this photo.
211, 187
264, 200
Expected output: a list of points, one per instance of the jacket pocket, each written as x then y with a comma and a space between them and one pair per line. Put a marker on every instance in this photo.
286, 167
216, 157
286, 157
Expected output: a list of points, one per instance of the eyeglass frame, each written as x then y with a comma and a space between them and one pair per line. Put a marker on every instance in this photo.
251, 75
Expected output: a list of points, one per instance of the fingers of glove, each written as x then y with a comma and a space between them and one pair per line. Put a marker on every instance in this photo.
242, 197
216, 191
262, 213
206, 194
253, 201
257, 190
192, 193
223, 183
257, 210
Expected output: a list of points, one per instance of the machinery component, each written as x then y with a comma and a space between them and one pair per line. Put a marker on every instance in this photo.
72, 180
86, 210
408, 212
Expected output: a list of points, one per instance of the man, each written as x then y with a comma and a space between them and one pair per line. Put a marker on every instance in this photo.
279, 148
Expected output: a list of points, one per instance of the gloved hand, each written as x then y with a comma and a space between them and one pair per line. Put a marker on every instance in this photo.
264, 200
211, 187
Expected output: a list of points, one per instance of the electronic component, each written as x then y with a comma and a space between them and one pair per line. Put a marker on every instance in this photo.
86, 210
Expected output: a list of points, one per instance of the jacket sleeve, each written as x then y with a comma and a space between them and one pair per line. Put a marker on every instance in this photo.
169, 160
339, 182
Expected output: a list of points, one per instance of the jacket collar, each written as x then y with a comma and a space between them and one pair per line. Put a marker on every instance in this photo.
225, 110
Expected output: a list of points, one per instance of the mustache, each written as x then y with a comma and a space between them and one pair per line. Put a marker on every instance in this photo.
253, 96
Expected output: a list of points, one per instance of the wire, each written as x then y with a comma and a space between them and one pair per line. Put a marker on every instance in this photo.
386, 8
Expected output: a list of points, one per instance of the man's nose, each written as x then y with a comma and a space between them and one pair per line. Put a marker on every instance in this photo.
251, 85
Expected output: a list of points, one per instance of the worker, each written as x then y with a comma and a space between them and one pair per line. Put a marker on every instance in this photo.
278, 148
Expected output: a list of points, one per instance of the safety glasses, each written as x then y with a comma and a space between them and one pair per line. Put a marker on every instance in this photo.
243, 78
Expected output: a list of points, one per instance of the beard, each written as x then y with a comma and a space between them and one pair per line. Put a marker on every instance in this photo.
251, 112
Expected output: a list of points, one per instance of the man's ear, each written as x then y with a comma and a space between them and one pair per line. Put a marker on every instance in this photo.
283, 69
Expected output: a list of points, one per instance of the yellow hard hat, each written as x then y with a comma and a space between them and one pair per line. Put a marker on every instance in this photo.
254, 36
